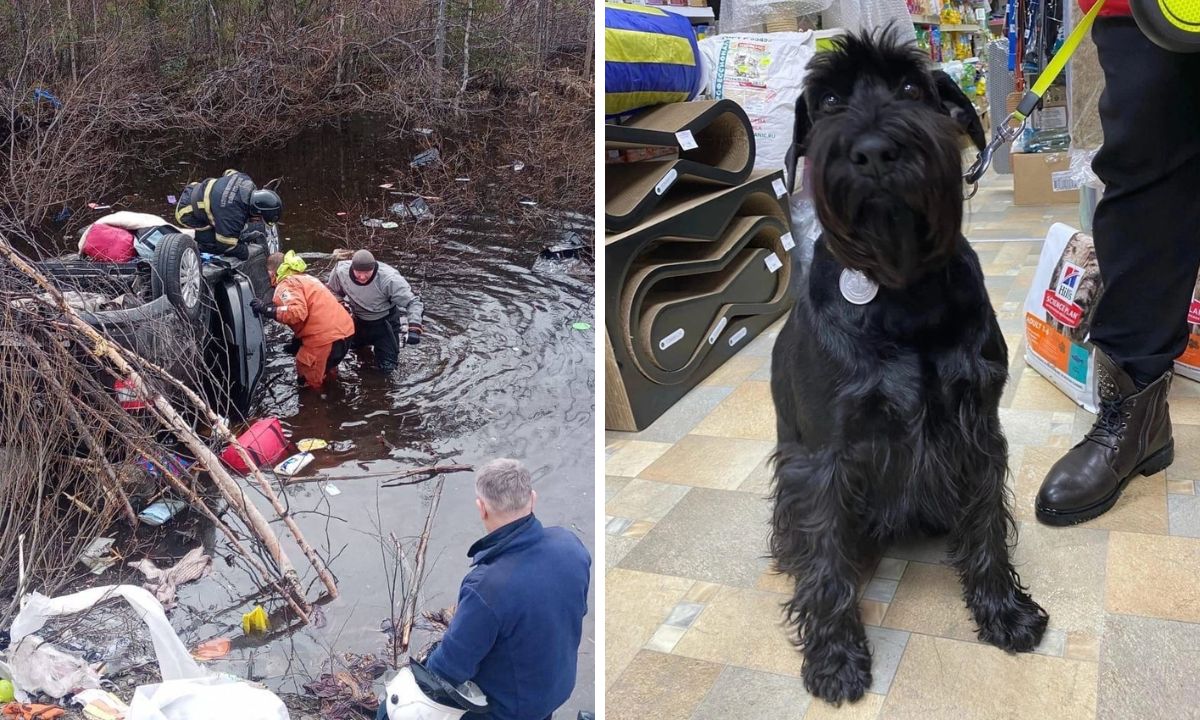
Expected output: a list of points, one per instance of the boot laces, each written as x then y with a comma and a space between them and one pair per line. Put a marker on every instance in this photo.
1110, 423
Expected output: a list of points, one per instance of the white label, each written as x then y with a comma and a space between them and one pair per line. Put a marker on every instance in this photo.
333, 491
666, 182
773, 262
712, 339
787, 241
780, 188
737, 337
1054, 117
685, 140
1063, 181
671, 339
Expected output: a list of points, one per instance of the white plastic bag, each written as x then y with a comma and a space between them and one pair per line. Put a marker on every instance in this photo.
210, 698
35, 666
764, 74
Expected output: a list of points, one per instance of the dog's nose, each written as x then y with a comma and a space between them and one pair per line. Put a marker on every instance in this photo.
874, 153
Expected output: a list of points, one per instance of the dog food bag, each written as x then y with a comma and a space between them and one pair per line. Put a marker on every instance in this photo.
1058, 314
765, 75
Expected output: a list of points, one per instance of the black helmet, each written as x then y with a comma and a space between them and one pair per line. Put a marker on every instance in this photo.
267, 204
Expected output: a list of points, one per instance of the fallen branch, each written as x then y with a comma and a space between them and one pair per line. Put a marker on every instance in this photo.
419, 567
432, 471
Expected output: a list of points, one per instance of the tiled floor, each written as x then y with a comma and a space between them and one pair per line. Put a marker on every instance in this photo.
693, 612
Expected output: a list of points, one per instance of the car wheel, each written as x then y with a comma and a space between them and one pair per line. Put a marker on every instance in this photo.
177, 274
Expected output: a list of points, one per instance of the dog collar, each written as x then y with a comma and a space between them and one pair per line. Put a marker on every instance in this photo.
856, 287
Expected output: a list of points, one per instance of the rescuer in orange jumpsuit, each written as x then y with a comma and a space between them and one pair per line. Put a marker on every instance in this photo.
302, 302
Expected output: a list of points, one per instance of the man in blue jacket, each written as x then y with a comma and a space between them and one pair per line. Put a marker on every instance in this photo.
519, 620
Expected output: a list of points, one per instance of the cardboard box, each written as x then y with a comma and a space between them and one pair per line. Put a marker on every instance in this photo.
1033, 181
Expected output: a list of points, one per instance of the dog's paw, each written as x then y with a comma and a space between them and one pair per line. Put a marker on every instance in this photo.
837, 673
1014, 623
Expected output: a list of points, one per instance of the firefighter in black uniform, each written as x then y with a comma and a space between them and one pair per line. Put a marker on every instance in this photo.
228, 213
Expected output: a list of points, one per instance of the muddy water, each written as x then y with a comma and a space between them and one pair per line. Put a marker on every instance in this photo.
500, 372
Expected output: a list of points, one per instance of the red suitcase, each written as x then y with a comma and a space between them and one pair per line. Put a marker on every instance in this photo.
264, 442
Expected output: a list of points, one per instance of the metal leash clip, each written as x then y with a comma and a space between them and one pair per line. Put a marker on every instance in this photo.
1006, 132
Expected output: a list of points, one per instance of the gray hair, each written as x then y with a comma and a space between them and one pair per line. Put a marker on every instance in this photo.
505, 485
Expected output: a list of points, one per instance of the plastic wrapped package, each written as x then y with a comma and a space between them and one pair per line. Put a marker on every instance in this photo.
752, 16
856, 15
764, 73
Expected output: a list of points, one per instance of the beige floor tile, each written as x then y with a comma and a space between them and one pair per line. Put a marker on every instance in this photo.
718, 463
1186, 467
1185, 410
702, 592
634, 456
744, 628
1036, 393
872, 611
941, 678
1082, 646
929, 600
747, 413
645, 500
660, 686
774, 582
613, 484
1142, 507
1064, 571
866, 708
636, 603
1153, 576
759, 480
736, 370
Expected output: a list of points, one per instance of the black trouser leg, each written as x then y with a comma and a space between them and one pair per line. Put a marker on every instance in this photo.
337, 353
380, 335
1147, 226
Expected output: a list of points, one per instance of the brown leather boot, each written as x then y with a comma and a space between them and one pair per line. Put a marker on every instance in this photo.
1131, 436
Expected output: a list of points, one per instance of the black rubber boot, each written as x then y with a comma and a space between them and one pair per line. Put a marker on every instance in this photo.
1131, 436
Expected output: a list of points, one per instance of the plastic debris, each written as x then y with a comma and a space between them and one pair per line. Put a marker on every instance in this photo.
581, 326
340, 214
255, 622
160, 512
207, 697
518, 166
38, 667
310, 444
173, 463
96, 556
372, 223
101, 705
344, 693
6, 690
97, 206
42, 95
294, 464
462, 179
213, 649
32, 712
171, 199
425, 131
387, 186
528, 203
426, 157
332, 490
164, 582
568, 245
62, 215
412, 210
389, 225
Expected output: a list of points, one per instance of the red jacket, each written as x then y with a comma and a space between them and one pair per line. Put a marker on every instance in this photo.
1111, 7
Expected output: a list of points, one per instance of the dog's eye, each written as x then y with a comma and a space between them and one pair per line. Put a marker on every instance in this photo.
829, 101
912, 91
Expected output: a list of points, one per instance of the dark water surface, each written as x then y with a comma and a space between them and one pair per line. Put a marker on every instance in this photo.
500, 372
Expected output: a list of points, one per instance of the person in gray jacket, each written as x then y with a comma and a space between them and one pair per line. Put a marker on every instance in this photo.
378, 297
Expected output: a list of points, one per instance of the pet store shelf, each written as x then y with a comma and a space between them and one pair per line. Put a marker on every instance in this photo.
946, 27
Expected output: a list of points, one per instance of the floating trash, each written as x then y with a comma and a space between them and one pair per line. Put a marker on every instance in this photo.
356, 423
518, 166
310, 444
160, 512
372, 223
62, 215
213, 649
389, 225
425, 131
462, 179
96, 556
567, 245
529, 203
294, 464
581, 326
426, 157
171, 199
332, 490
96, 206
412, 210
255, 622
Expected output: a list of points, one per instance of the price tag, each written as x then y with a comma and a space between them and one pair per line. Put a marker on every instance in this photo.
780, 188
685, 140
773, 262
1063, 181
667, 181
787, 241
671, 339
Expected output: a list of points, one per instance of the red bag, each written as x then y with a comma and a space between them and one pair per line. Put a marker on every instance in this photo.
264, 442
108, 244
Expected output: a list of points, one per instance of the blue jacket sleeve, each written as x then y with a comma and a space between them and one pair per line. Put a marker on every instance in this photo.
470, 637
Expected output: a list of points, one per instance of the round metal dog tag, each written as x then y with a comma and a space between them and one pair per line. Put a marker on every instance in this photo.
857, 287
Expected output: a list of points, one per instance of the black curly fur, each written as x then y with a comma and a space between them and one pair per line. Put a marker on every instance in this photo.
887, 413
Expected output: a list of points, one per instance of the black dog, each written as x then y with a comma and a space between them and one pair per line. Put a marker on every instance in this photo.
887, 403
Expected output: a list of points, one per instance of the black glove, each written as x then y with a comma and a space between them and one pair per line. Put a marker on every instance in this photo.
293, 346
414, 333
241, 251
262, 309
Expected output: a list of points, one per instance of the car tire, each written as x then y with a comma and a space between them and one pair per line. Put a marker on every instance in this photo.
177, 273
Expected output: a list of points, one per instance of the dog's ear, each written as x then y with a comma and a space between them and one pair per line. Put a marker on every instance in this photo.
959, 107
799, 137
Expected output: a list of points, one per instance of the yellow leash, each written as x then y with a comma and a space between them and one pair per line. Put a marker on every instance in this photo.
1014, 124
